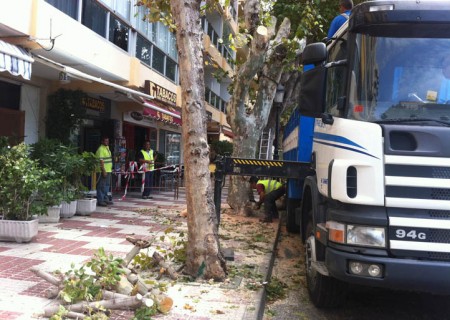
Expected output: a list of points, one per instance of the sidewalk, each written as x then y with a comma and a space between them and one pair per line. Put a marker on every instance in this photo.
74, 240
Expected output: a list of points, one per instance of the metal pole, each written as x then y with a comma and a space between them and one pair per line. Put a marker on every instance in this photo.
277, 120
218, 178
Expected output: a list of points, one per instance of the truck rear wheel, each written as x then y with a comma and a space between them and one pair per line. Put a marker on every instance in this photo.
324, 291
291, 224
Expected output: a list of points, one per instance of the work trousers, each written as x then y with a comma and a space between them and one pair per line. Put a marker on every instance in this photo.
103, 186
270, 207
148, 183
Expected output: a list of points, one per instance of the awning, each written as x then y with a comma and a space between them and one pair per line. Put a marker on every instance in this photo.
227, 132
162, 114
150, 109
15, 60
130, 93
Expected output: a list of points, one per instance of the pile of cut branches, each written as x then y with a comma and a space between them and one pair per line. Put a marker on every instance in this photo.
107, 283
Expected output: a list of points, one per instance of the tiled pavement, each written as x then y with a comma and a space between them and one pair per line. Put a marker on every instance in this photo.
74, 240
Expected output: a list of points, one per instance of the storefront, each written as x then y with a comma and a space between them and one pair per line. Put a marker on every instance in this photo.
97, 123
159, 122
19, 101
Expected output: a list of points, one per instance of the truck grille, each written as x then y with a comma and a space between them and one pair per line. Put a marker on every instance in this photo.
417, 195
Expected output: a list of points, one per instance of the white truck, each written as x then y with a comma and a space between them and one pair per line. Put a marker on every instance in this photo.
376, 210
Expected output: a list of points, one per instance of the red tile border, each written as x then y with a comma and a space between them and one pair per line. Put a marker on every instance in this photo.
9, 315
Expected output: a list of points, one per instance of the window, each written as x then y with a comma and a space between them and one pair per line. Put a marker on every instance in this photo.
173, 53
336, 78
171, 69
94, 17
162, 38
118, 33
68, 7
142, 24
9, 96
172, 148
399, 79
121, 7
143, 50
158, 60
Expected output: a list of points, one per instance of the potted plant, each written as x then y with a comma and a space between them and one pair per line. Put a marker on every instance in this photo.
85, 205
25, 192
68, 164
40, 152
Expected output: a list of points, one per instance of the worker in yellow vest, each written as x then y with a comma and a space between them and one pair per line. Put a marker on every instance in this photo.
105, 168
148, 165
269, 191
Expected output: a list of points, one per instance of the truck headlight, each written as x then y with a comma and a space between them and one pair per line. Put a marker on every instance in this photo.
366, 236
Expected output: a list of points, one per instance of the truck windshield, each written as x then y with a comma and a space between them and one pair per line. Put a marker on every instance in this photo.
400, 79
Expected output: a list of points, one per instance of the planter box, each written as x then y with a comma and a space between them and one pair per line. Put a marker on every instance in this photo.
53, 214
86, 206
18, 231
68, 209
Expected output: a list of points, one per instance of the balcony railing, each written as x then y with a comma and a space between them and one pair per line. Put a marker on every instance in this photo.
224, 49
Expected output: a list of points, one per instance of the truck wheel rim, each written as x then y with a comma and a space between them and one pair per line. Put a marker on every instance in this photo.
310, 272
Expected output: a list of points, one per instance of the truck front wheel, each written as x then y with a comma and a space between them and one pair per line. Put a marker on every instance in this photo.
324, 291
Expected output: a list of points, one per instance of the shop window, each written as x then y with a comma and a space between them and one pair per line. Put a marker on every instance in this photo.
158, 60
153, 135
94, 17
9, 96
118, 33
173, 143
68, 7
12, 120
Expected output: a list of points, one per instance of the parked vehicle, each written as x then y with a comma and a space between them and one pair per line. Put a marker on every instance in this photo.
376, 210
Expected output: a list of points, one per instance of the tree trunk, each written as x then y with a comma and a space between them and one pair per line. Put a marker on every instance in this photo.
248, 123
204, 257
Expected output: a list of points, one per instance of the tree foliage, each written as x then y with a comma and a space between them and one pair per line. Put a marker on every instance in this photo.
65, 114
310, 18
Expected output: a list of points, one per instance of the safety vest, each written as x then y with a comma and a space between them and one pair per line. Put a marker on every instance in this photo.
148, 156
103, 153
270, 185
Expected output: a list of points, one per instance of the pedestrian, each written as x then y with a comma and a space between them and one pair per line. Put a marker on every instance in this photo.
146, 159
269, 191
345, 7
444, 91
105, 168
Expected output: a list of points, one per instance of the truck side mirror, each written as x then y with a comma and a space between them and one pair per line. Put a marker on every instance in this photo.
314, 53
312, 92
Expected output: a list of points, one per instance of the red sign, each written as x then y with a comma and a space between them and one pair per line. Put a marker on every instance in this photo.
159, 113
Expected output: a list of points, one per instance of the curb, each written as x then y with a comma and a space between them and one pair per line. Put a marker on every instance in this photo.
258, 312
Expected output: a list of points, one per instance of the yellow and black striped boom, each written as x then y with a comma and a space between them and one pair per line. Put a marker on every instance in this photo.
264, 168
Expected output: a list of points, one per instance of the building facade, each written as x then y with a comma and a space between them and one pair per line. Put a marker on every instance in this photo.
126, 66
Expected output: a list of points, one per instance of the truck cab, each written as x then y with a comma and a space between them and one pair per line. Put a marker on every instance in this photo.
376, 211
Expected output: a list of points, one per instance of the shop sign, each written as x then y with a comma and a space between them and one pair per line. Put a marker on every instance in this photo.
136, 115
93, 104
161, 116
160, 93
138, 118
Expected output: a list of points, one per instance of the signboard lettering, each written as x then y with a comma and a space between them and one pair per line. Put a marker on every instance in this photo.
160, 93
93, 104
